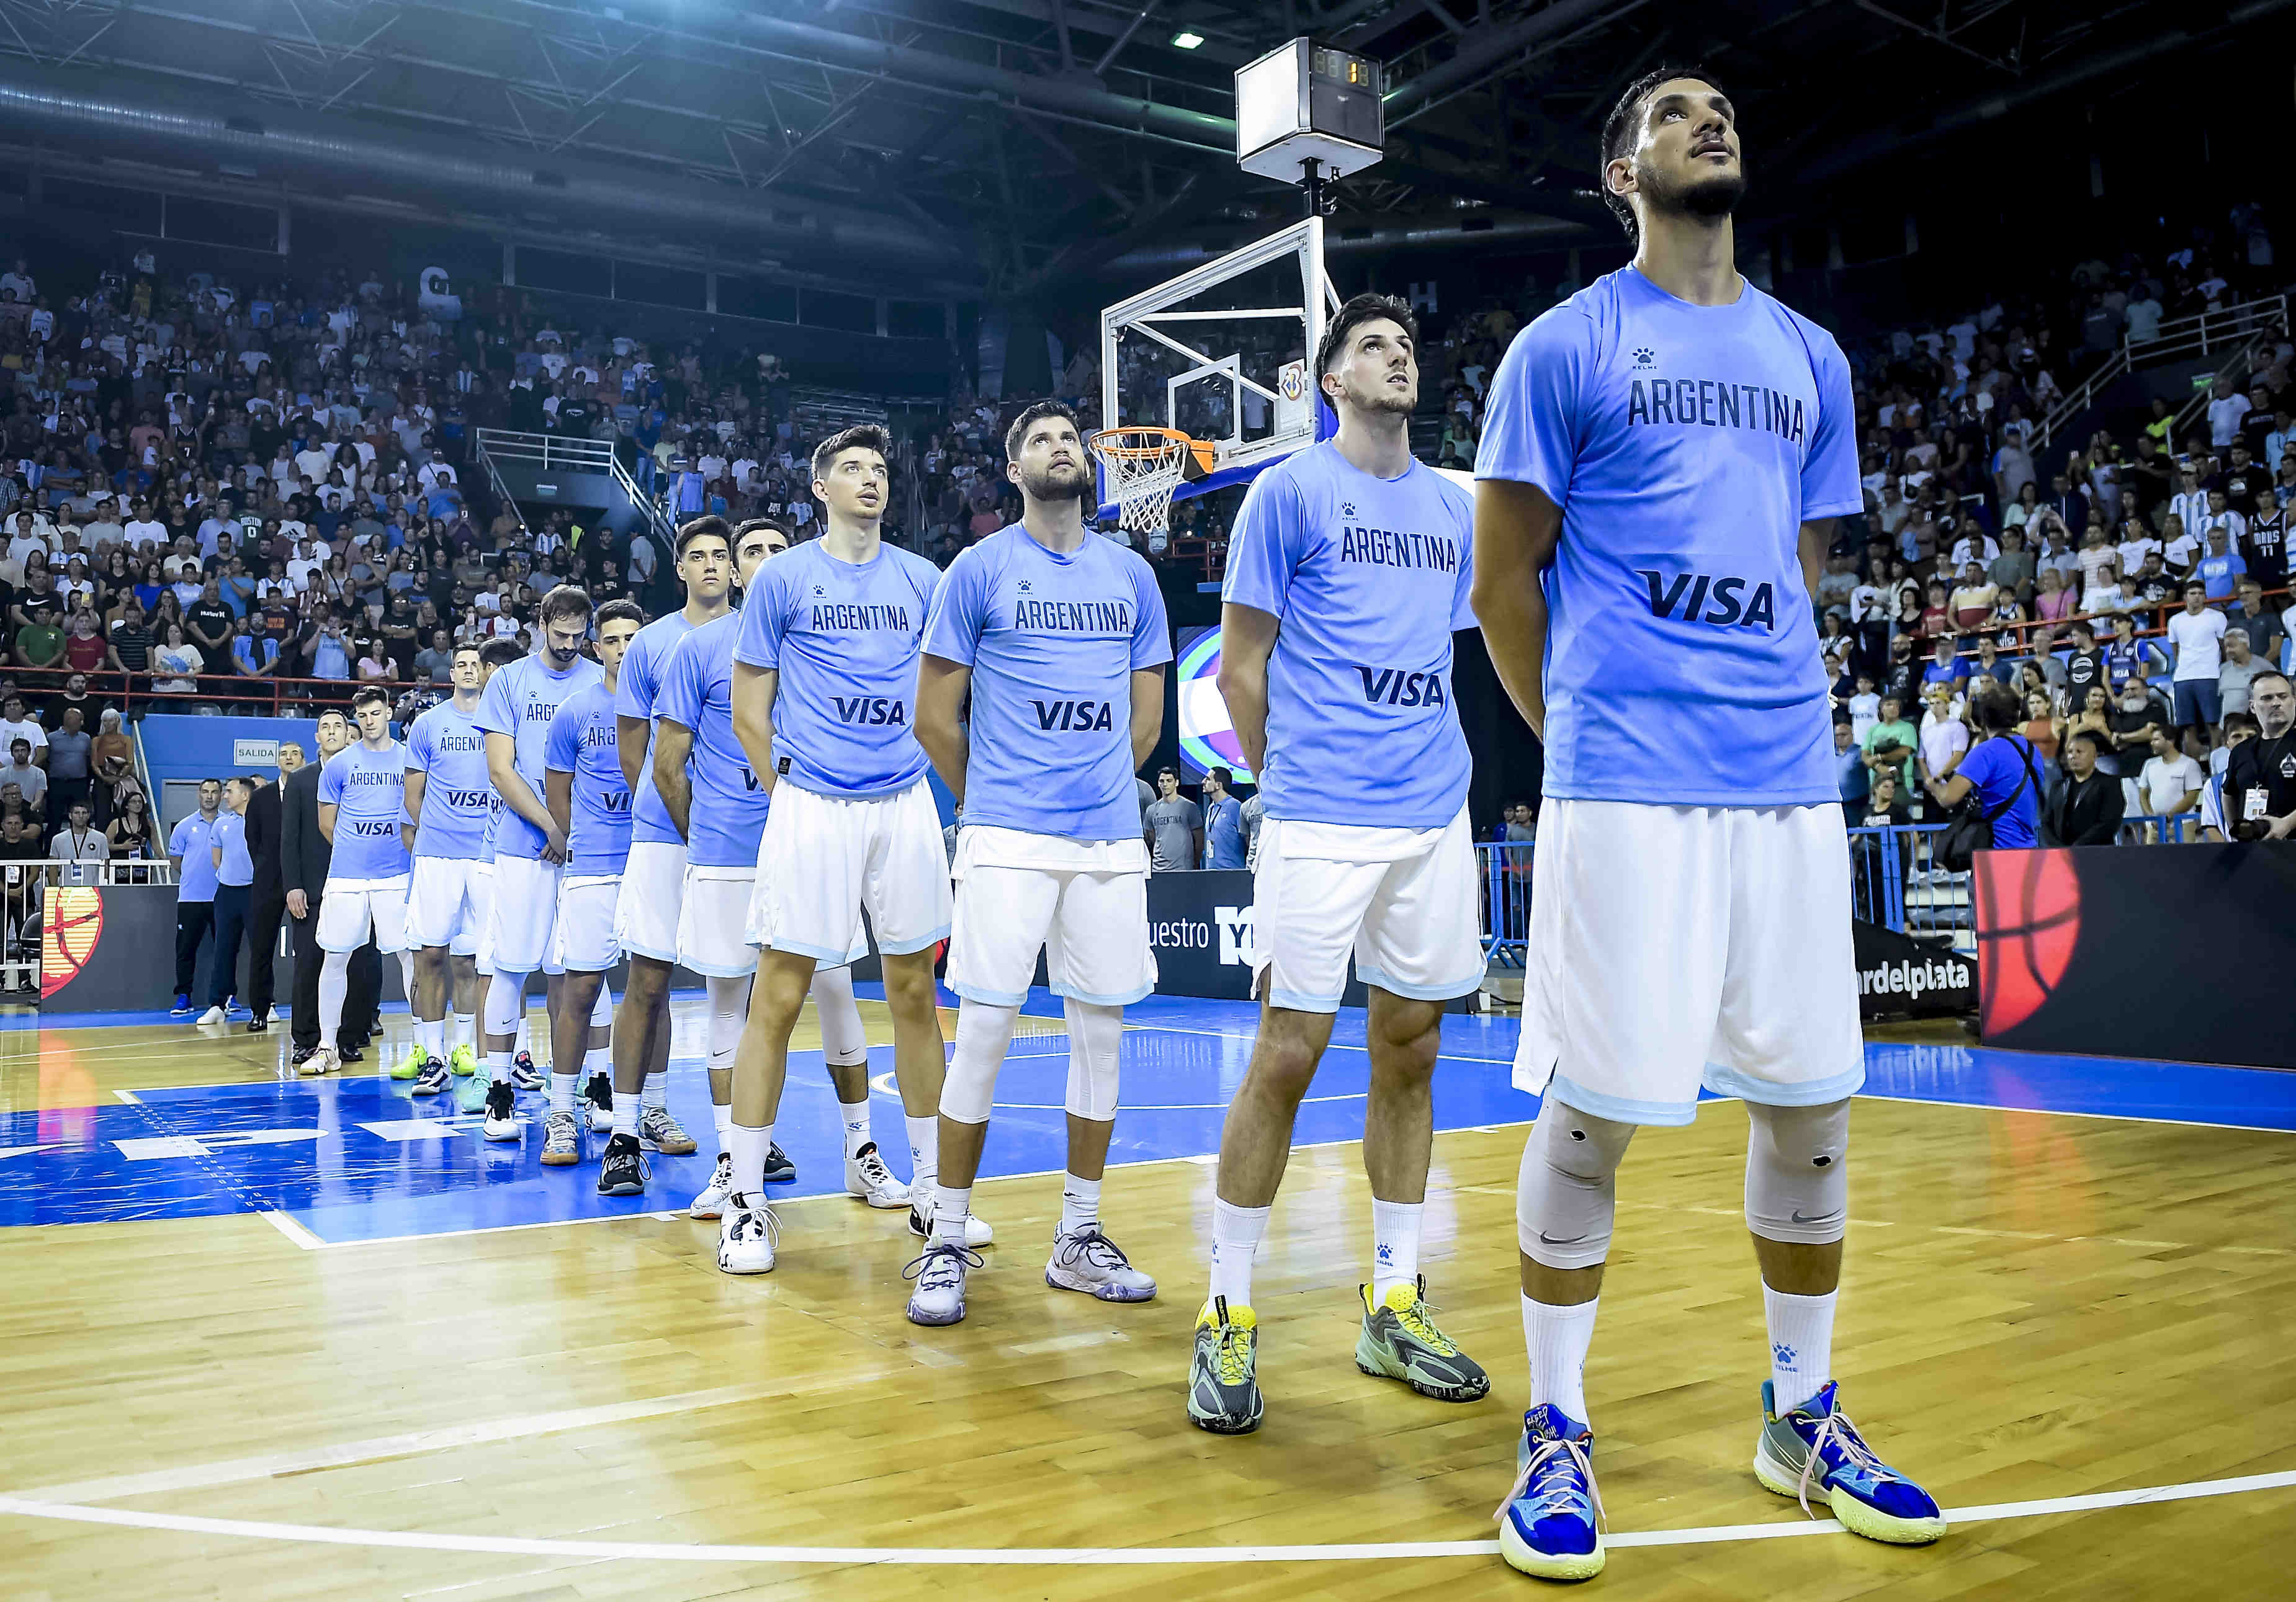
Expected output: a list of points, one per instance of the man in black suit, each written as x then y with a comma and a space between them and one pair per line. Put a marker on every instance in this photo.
304, 855
270, 896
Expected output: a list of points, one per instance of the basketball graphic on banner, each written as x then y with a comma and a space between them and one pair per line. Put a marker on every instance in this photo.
1206, 735
74, 923
2028, 921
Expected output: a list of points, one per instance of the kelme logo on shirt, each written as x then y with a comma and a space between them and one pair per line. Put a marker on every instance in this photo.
1702, 597
1080, 718
879, 710
1397, 687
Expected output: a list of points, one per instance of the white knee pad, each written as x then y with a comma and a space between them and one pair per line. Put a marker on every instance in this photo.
982, 1033
842, 1043
1094, 1034
729, 1011
505, 1002
1797, 1172
1566, 1191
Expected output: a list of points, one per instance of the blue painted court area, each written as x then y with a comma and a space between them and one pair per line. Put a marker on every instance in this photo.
357, 1158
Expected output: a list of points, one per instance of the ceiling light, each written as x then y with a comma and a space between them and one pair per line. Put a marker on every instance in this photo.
1184, 40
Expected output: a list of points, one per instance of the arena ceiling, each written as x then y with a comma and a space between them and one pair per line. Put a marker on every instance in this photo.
996, 146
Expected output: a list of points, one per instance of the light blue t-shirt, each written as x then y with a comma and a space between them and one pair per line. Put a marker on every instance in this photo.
2220, 574
519, 701
449, 750
1686, 446
843, 637
193, 840
1224, 833
1368, 579
634, 693
581, 742
368, 791
728, 814
238, 868
1052, 641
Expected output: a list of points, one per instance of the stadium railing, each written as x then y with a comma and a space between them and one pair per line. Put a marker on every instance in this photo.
133, 694
2230, 331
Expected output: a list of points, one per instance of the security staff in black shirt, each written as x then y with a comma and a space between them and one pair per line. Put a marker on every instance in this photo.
2260, 776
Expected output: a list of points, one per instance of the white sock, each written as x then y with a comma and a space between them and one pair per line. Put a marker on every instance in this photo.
1801, 1345
561, 1091
1395, 1246
1235, 1237
750, 1147
1080, 1204
431, 1035
924, 1148
723, 1118
626, 1117
951, 1207
1557, 1339
498, 1067
656, 1094
856, 1125
466, 1032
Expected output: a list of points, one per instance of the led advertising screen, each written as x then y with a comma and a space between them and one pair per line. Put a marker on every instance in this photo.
1206, 740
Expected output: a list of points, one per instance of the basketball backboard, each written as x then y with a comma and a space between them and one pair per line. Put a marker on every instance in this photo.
1222, 352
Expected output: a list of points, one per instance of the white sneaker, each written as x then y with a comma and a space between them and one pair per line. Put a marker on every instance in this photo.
867, 1177
711, 1202
323, 1060
938, 1299
502, 1120
213, 1015
1088, 1261
745, 1237
976, 1232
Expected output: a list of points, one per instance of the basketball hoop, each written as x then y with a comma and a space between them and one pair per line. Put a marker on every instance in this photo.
1145, 466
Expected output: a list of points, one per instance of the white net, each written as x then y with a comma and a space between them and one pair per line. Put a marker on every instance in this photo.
1144, 467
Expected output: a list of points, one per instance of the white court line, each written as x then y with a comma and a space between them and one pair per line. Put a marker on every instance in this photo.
288, 1227
130, 1096
1068, 1556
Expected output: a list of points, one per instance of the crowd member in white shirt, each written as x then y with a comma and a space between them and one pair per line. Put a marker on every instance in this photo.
2227, 408
143, 531
2197, 636
2171, 782
2136, 540
80, 843
1944, 737
2181, 548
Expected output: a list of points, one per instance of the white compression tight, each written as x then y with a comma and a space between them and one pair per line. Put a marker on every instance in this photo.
842, 1043
1093, 1036
729, 1011
505, 1003
334, 985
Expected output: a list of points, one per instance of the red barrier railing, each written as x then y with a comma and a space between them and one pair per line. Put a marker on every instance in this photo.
133, 693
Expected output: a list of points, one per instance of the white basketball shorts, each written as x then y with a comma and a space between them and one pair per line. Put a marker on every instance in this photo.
713, 935
1675, 946
349, 907
1403, 900
583, 940
526, 912
449, 900
824, 859
654, 884
1084, 904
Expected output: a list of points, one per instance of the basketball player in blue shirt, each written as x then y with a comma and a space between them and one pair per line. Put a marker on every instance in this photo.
1664, 457
1346, 577
645, 921
449, 900
589, 800
720, 807
825, 682
529, 846
1058, 637
362, 803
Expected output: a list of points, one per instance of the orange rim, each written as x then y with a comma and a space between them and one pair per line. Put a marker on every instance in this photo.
1110, 442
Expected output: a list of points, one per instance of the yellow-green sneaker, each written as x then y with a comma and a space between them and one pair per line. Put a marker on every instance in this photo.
1401, 1341
463, 1062
410, 1065
1223, 1379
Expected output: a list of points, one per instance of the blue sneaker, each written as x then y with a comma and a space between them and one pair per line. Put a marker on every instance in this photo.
236, 1008
1550, 1525
183, 1007
1817, 1448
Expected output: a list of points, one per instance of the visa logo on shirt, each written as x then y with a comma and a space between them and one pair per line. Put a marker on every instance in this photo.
469, 800
1397, 687
871, 709
614, 800
1082, 717
1703, 598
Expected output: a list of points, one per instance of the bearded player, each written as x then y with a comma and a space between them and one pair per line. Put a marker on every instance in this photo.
1665, 455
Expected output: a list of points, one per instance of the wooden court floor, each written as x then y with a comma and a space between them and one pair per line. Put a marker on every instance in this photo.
2035, 1307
